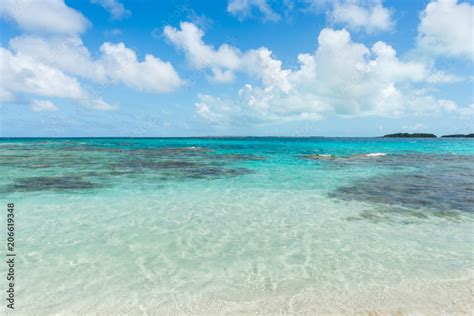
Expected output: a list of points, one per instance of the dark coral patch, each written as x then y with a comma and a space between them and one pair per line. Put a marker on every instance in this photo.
213, 172
441, 190
318, 157
51, 183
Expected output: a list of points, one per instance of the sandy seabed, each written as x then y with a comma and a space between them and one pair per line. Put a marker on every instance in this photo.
454, 297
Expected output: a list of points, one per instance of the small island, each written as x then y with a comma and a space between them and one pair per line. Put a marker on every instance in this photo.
410, 135
459, 136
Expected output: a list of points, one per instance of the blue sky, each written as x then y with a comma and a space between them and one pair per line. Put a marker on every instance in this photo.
236, 67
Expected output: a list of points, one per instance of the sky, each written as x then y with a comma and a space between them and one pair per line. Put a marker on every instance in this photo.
142, 68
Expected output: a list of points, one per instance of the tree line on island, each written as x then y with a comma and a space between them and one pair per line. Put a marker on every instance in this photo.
427, 135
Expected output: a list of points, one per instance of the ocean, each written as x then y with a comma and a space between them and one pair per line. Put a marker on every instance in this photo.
239, 225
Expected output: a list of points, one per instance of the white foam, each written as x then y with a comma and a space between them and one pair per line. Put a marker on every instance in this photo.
375, 155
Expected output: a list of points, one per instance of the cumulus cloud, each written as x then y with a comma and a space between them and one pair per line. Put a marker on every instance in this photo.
152, 74
200, 55
24, 74
341, 77
117, 63
66, 53
447, 29
114, 7
223, 62
370, 16
43, 106
52, 16
49, 66
244, 9
50, 59
213, 109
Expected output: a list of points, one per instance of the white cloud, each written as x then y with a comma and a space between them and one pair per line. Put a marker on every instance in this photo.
66, 53
244, 9
200, 55
226, 60
369, 15
114, 7
152, 74
447, 29
52, 16
51, 59
444, 77
340, 77
421, 103
43, 106
213, 109
23, 74
117, 63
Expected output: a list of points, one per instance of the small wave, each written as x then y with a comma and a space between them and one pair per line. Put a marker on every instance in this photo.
195, 148
369, 155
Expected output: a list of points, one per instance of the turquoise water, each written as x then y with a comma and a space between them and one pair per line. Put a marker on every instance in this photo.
233, 224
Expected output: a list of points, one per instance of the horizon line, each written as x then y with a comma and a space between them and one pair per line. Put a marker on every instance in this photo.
198, 137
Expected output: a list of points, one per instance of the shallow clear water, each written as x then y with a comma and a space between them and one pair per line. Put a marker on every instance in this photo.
182, 223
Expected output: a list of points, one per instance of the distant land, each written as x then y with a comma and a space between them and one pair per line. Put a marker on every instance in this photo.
459, 135
411, 135
427, 135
